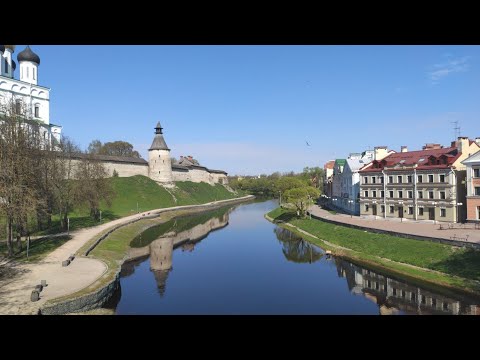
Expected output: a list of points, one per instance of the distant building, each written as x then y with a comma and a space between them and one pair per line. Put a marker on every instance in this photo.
327, 181
346, 178
418, 185
473, 185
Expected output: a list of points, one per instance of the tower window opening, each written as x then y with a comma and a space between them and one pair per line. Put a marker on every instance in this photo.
37, 111
27, 71
18, 106
33, 73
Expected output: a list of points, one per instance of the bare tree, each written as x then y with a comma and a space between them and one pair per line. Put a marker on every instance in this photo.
92, 186
20, 149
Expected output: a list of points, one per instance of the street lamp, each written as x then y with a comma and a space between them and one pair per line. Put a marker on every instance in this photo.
434, 203
350, 201
400, 202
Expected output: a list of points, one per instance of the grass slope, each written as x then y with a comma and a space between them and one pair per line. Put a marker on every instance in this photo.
190, 193
449, 260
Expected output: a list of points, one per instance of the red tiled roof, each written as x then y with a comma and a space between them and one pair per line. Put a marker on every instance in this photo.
329, 165
412, 157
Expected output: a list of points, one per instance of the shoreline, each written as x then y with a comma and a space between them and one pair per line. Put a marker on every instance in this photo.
399, 270
94, 295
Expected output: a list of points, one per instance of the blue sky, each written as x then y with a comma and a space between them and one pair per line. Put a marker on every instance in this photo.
251, 109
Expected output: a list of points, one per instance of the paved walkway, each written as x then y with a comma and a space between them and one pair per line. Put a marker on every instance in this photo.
405, 227
17, 280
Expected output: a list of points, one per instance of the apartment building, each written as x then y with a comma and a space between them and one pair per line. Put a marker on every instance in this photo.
418, 185
472, 164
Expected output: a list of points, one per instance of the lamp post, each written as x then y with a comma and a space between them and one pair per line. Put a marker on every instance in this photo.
350, 201
434, 203
400, 202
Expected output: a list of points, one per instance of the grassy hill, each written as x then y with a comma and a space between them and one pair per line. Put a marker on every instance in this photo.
149, 195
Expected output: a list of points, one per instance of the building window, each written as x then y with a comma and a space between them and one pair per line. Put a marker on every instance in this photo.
420, 194
390, 179
420, 178
442, 195
445, 305
18, 106
412, 297
410, 210
400, 194
391, 194
443, 212
403, 294
392, 209
399, 179
382, 207
424, 300
409, 178
477, 191
366, 193
430, 178
430, 194
374, 180
6, 66
394, 292
476, 173
420, 211
377, 286
37, 111
442, 178
478, 212
434, 302
381, 180
382, 194
366, 207
410, 194
374, 194
365, 180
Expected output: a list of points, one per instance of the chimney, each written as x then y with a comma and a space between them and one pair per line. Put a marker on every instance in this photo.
462, 144
477, 140
181, 157
190, 157
431, 146
403, 149
380, 152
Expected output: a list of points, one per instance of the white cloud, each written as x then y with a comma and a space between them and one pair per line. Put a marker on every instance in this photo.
451, 66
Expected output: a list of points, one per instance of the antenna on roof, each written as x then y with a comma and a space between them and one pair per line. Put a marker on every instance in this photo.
456, 129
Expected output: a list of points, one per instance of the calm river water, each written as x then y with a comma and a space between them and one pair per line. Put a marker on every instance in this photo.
233, 261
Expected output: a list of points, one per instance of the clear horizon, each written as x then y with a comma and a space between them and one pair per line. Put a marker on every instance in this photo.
250, 110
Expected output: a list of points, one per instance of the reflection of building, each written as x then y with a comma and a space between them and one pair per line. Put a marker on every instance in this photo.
393, 295
161, 249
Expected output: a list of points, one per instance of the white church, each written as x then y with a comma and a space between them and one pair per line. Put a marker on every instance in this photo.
25, 91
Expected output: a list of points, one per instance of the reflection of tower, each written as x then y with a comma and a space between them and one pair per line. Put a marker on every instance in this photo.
161, 253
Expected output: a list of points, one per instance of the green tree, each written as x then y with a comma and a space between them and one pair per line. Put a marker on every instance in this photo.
95, 147
301, 198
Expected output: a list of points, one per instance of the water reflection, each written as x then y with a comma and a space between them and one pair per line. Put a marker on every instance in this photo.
159, 242
393, 296
295, 248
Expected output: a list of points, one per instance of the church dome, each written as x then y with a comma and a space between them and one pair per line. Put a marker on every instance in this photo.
2, 48
28, 55
11, 47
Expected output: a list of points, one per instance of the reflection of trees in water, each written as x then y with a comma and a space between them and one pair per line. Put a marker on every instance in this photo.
297, 249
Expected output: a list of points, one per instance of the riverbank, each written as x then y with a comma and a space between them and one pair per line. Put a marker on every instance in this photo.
112, 250
435, 264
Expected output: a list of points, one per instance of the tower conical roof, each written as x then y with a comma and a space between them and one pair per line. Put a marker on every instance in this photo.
158, 141
28, 55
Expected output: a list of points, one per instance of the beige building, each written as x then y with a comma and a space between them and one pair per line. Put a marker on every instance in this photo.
418, 185
473, 186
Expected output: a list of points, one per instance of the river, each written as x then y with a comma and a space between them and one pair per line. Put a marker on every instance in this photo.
233, 261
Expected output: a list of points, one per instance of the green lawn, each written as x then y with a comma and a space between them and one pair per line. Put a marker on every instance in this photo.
447, 259
189, 193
